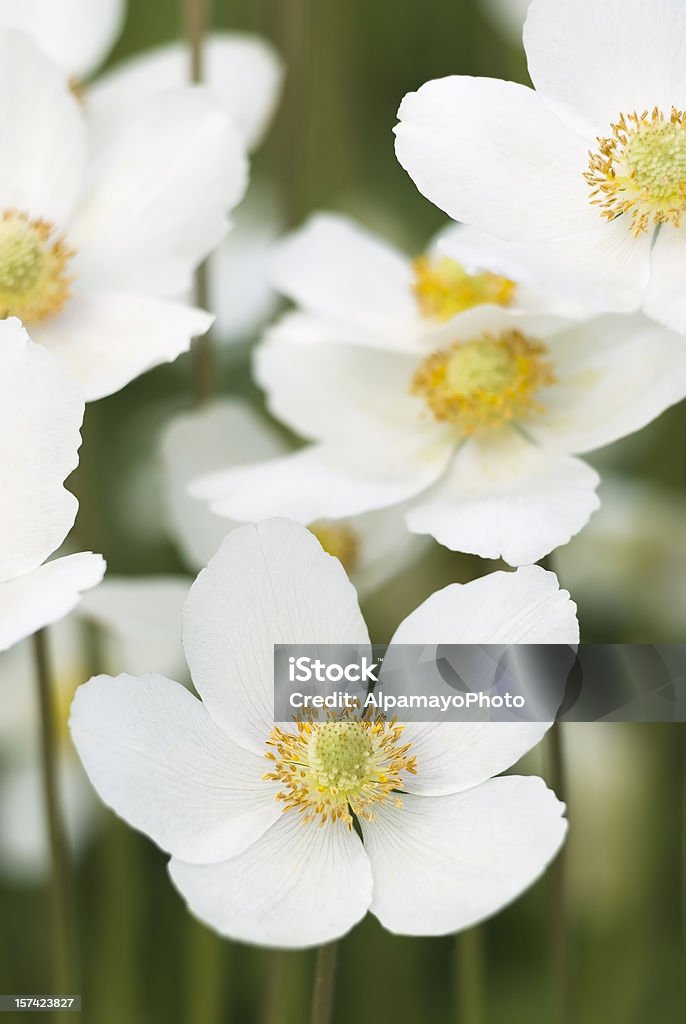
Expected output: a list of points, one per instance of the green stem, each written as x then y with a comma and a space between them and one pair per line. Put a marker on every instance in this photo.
324, 981
558, 882
206, 975
469, 986
273, 1003
62, 921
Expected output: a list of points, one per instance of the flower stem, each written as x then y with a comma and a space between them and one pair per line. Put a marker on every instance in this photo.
469, 977
197, 18
272, 1006
206, 975
324, 980
558, 882
62, 927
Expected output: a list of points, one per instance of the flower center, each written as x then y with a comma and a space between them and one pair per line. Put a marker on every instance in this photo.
332, 770
33, 264
443, 288
339, 540
483, 384
641, 169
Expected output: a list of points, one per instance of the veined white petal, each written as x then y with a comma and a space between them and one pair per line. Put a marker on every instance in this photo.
441, 864
505, 497
297, 886
45, 595
41, 409
108, 338
268, 584
156, 757
664, 298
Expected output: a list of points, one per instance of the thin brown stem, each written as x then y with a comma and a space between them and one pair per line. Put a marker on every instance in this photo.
324, 983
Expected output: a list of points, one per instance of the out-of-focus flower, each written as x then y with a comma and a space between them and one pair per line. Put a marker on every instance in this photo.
475, 418
76, 35
140, 622
508, 16
96, 239
372, 548
586, 175
629, 566
41, 410
273, 858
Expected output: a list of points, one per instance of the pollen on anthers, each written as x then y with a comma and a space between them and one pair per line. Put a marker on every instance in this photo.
443, 288
640, 169
332, 770
34, 282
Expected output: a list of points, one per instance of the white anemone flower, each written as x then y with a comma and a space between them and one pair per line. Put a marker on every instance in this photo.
76, 35
41, 410
476, 420
98, 238
228, 432
275, 860
586, 174
139, 624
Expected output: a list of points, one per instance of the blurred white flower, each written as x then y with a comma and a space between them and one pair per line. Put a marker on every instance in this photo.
140, 622
508, 16
41, 410
372, 548
586, 175
76, 35
475, 417
95, 239
629, 565
274, 859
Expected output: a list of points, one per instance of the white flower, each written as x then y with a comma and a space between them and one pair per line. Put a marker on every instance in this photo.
96, 238
508, 16
476, 419
140, 621
228, 432
191, 774
41, 410
76, 35
587, 174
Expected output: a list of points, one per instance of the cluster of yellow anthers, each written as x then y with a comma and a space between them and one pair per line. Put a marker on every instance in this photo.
641, 169
443, 288
483, 384
34, 282
341, 767
340, 540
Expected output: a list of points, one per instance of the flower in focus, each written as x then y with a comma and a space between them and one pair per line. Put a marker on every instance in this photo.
98, 237
586, 175
265, 853
76, 35
474, 417
139, 624
41, 410
372, 547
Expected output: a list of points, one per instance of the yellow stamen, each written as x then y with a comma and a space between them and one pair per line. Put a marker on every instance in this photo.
641, 169
338, 539
444, 288
483, 384
33, 268
332, 770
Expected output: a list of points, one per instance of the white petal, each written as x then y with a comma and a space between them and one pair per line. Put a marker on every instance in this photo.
492, 154
159, 761
299, 885
41, 409
326, 481
141, 621
337, 270
161, 190
506, 498
592, 62
386, 547
45, 595
44, 139
523, 607
76, 35
108, 338
614, 376
224, 433
441, 864
243, 72
268, 584
664, 298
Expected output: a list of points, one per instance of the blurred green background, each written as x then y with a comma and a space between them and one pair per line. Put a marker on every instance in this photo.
142, 959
